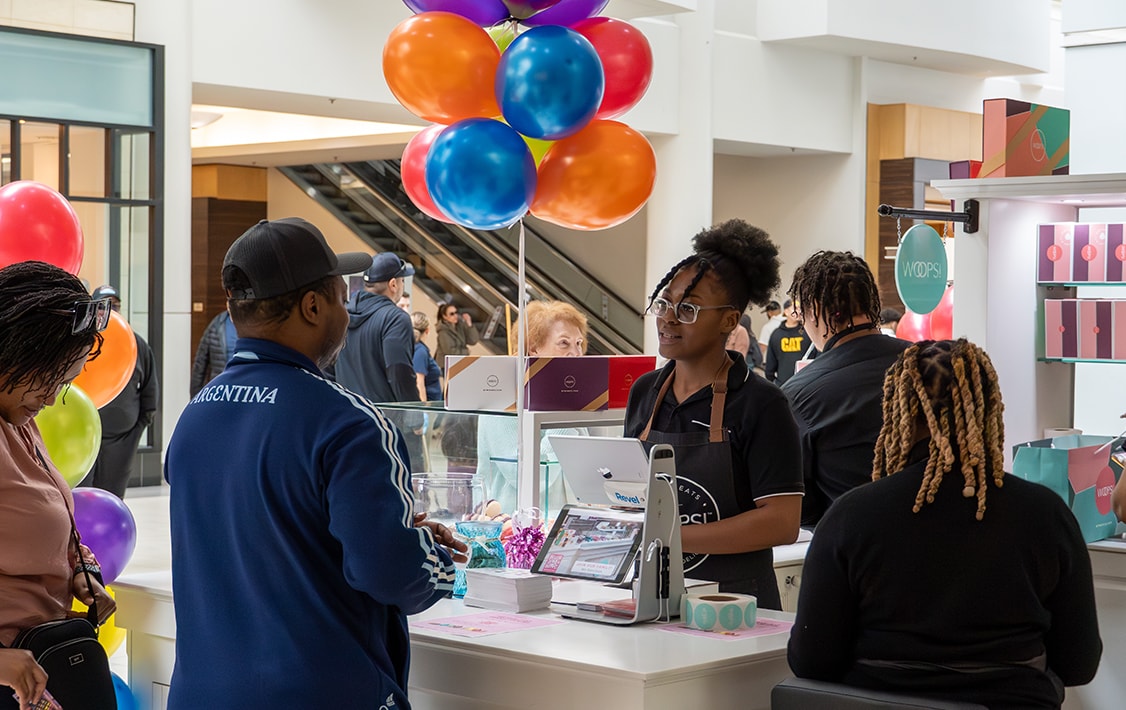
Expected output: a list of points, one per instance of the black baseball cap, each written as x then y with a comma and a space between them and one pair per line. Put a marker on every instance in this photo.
282, 255
105, 291
386, 266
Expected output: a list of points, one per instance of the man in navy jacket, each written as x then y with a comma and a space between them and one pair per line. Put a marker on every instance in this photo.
296, 554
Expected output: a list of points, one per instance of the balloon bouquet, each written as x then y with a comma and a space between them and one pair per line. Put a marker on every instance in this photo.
523, 94
936, 325
37, 223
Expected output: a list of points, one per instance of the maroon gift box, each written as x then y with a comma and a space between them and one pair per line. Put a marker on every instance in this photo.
962, 169
567, 384
624, 371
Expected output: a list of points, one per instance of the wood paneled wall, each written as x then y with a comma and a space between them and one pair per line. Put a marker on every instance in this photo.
226, 201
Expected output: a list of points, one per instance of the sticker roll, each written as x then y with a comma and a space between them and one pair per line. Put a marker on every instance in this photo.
718, 612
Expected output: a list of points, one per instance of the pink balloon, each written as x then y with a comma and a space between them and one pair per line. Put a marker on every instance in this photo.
413, 171
38, 224
914, 327
942, 317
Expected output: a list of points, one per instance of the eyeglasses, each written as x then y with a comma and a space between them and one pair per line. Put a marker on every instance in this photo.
686, 313
86, 314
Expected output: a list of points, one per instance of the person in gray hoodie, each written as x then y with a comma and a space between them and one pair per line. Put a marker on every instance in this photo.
377, 357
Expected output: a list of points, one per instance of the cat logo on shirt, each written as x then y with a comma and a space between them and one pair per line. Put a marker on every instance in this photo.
793, 345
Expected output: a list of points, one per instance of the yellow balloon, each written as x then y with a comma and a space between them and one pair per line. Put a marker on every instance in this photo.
110, 635
538, 147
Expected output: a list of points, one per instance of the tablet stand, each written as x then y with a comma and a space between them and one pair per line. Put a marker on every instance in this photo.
660, 579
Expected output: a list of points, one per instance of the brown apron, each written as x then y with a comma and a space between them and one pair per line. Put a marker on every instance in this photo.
706, 493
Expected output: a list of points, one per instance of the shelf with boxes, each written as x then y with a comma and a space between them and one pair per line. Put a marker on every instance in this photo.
1073, 255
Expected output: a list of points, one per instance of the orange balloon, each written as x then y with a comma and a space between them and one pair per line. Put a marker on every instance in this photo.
595, 179
442, 67
104, 377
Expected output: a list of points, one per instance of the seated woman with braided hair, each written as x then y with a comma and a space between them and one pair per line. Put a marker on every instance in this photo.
945, 577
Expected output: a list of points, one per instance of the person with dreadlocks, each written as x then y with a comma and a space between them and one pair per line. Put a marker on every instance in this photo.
836, 398
49, 327
945, 577
737, 454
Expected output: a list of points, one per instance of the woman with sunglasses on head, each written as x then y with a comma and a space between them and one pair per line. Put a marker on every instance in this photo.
49, 327
738, 460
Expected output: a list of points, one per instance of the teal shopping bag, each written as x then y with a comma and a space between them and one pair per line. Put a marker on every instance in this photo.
1078, 468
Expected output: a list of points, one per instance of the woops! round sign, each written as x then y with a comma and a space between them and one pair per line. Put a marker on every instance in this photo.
921, 269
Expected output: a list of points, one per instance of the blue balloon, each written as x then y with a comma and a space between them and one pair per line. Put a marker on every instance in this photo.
125, 698
481, 174
549, 82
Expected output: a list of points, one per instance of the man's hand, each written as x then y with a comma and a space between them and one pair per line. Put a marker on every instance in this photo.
444, 537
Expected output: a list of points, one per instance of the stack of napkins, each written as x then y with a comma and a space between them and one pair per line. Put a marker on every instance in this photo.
506, 589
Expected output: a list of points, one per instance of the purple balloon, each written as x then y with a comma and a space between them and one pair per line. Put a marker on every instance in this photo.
107, 527
523, 9
480, 12
567, 13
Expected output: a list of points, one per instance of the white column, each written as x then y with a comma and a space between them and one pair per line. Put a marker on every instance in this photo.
681, 204
1095, 90
169, 23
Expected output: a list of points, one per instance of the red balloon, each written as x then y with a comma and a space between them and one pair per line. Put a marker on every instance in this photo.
414, 171
942, 317
627, 62
914, 326
38, 224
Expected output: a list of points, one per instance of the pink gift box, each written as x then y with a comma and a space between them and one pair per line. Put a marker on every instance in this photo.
1115, 254
1053, 327
1118, 347
1055, 253
1088, 330
1088, 261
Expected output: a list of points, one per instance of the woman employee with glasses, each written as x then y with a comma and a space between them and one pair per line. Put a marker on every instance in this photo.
738, 460
49, 327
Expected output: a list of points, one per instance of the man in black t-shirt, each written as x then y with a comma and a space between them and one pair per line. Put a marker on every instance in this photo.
788, 344
837, 399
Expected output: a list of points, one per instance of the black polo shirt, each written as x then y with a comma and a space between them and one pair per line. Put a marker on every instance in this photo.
766, 454
837, 401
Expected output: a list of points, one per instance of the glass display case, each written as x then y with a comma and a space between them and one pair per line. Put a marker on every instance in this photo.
489, 444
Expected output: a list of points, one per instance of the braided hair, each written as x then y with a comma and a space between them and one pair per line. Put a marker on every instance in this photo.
951, 388
836, 286
37, 346
743, 258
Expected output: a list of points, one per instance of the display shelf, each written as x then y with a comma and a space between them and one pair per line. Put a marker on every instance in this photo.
1080, 284
1078, 360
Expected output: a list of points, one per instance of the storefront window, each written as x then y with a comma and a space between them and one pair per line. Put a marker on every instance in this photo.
86, 161
5, 152
39, 152
133, 151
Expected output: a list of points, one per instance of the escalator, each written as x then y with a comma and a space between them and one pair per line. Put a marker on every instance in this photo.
478, 268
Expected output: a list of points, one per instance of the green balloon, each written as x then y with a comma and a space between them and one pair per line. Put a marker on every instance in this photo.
72, 433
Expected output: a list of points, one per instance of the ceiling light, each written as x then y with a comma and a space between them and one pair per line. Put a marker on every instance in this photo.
204, 118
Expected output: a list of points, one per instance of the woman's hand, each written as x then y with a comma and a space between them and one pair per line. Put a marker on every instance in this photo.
444, 537
83, 593
20, 672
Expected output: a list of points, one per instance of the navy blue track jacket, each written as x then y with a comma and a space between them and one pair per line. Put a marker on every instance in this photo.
294, 556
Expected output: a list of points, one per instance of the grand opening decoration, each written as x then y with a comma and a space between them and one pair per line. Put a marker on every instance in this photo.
521, 93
